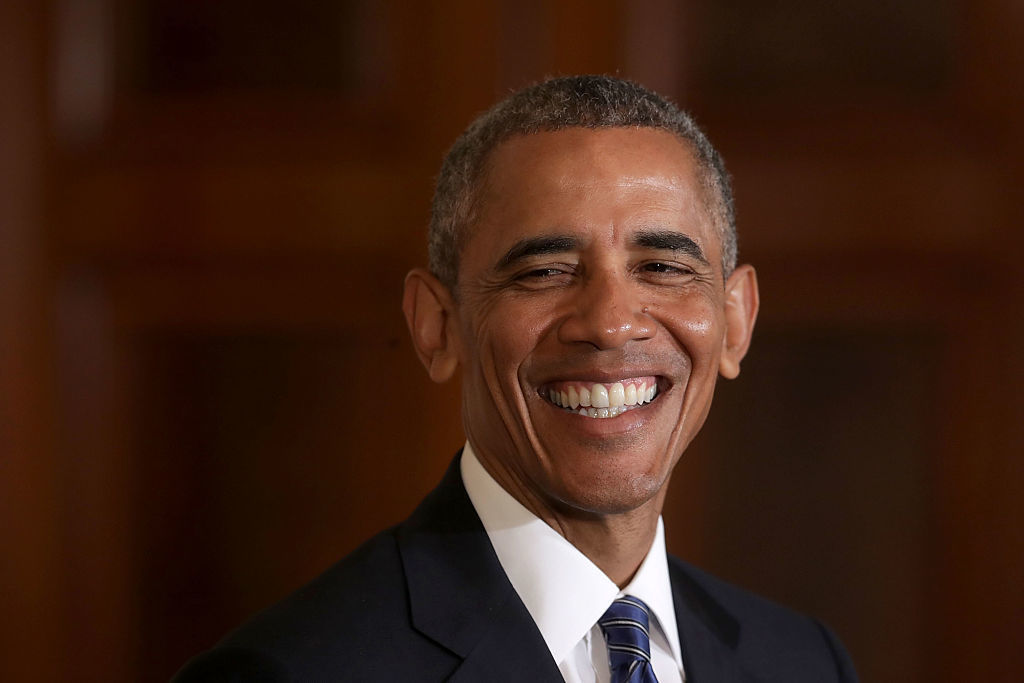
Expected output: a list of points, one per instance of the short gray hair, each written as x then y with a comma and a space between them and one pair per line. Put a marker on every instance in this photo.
567, 102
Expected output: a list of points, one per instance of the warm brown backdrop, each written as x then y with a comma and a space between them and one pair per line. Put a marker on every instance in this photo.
206, 394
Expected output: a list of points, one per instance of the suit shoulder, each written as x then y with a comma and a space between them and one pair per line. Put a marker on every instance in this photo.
229, 664
367, 582
747, 606
766, 635
326, 627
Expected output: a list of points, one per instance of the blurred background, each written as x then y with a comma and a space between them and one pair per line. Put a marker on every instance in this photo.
206, 391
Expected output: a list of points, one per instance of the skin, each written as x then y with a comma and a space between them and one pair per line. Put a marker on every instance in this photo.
592, 258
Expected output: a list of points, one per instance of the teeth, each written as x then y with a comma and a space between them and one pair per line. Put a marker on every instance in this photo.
616, 395
602, 412
601, 401
585, 397
574, 398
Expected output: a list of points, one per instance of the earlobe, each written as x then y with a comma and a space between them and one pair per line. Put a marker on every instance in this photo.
741, 303
428, 307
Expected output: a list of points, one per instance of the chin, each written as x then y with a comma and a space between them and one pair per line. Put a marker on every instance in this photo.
609, 491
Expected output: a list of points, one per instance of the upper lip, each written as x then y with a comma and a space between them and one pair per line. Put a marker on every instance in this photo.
601, 376
618, 367
606, 376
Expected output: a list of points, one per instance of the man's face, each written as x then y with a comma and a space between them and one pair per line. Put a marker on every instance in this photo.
590, 317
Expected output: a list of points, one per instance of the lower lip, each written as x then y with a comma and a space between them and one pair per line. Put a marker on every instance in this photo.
627, 421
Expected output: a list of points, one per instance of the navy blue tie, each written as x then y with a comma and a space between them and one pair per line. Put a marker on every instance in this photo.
626, 630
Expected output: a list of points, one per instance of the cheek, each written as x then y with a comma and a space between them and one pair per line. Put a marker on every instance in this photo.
519, 326
698, 327
504, 339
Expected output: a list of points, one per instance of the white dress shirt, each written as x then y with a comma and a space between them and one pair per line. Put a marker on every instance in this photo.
564, 591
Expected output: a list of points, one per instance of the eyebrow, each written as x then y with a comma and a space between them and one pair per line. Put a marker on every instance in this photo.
536, 246
670, 240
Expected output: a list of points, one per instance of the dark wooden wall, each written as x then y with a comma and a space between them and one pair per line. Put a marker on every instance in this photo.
206, 392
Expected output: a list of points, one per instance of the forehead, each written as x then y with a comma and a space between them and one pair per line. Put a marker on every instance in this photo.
591, 182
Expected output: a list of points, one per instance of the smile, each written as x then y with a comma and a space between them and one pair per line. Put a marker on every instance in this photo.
599, 400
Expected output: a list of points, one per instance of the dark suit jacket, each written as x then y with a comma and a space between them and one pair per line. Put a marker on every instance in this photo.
428, 601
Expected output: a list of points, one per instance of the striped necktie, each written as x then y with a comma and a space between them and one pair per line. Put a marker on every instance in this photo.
625, 627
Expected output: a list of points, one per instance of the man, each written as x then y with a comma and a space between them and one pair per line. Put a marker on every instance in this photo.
583, 278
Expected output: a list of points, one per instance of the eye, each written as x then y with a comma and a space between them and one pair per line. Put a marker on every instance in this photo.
548, 276
660, 267
542, 273
545, 270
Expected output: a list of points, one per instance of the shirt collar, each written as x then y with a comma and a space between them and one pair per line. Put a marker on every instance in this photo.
652, 584
565, 603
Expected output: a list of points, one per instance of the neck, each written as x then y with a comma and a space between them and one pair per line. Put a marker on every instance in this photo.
616, 543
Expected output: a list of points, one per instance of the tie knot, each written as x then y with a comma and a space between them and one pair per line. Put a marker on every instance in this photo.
629, 613
626, 628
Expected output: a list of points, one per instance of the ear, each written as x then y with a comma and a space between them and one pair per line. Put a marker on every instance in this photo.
741, 304
428, 308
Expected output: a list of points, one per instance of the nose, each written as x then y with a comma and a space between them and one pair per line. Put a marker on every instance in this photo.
607, 312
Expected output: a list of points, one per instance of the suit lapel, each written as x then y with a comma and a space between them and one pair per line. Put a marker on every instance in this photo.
510, 649
459, 595
460, 598
708, 634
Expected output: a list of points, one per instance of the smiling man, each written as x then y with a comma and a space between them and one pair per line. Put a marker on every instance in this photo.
583, 283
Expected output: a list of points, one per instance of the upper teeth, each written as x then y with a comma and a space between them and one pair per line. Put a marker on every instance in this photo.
599, 395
